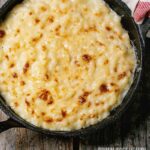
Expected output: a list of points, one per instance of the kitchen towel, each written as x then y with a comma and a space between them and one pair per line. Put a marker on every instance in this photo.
140, 9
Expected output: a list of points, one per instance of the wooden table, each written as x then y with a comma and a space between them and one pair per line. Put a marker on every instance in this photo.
131, 130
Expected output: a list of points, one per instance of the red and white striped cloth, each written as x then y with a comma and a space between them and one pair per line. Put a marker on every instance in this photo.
140, 9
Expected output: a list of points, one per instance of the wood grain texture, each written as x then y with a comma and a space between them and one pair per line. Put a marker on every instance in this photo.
131, 130
23, 139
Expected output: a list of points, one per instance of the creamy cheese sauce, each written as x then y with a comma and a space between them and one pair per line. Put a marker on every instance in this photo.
64, 64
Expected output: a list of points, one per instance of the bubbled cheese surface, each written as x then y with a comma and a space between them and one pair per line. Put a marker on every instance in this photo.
64, 64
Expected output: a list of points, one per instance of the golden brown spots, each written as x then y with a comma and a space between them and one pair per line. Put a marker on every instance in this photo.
43, 113
46, 96
99, 103
122, 75
90, 29
77, 63
16, 104
103, 88
38, 116
89, 104
98, 14
46, 76
82, 117
30, 13
50, 102
2, 33
102, 102
22, 83
64, 1
115, 87
18, 30
112, 84
15, 75
36, 39
42, 26
26, 67
92, 115
59, 119
108, 28
93, 28
100, 43
120, 37
66, 68
57, 30
37, 20
85, 9
86, 94
41, 35
63, 113
115, 69
48, 119
7, 57
27, 103
76, 77
86, 57
65, 35
111, 37
85, 30
106, 62
83, 98
75, 110
117, 90
50, 19
33, 112
44, 47
117, 46
43, 8
110, 108
12, 65
56, 80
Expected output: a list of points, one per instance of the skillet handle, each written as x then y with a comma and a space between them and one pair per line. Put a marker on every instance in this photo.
8, 124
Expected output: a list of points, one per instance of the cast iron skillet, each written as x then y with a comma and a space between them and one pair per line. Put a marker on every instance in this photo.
136, 34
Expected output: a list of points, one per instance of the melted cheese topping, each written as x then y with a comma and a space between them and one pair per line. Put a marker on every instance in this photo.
64, 64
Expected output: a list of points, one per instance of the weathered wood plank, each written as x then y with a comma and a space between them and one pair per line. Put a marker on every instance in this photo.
134, 128
23, 139
131, 132
110, 136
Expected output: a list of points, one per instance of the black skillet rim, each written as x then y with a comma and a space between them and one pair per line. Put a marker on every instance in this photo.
110, 119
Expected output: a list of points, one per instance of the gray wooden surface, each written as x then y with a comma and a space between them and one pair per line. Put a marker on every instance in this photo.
131, 130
